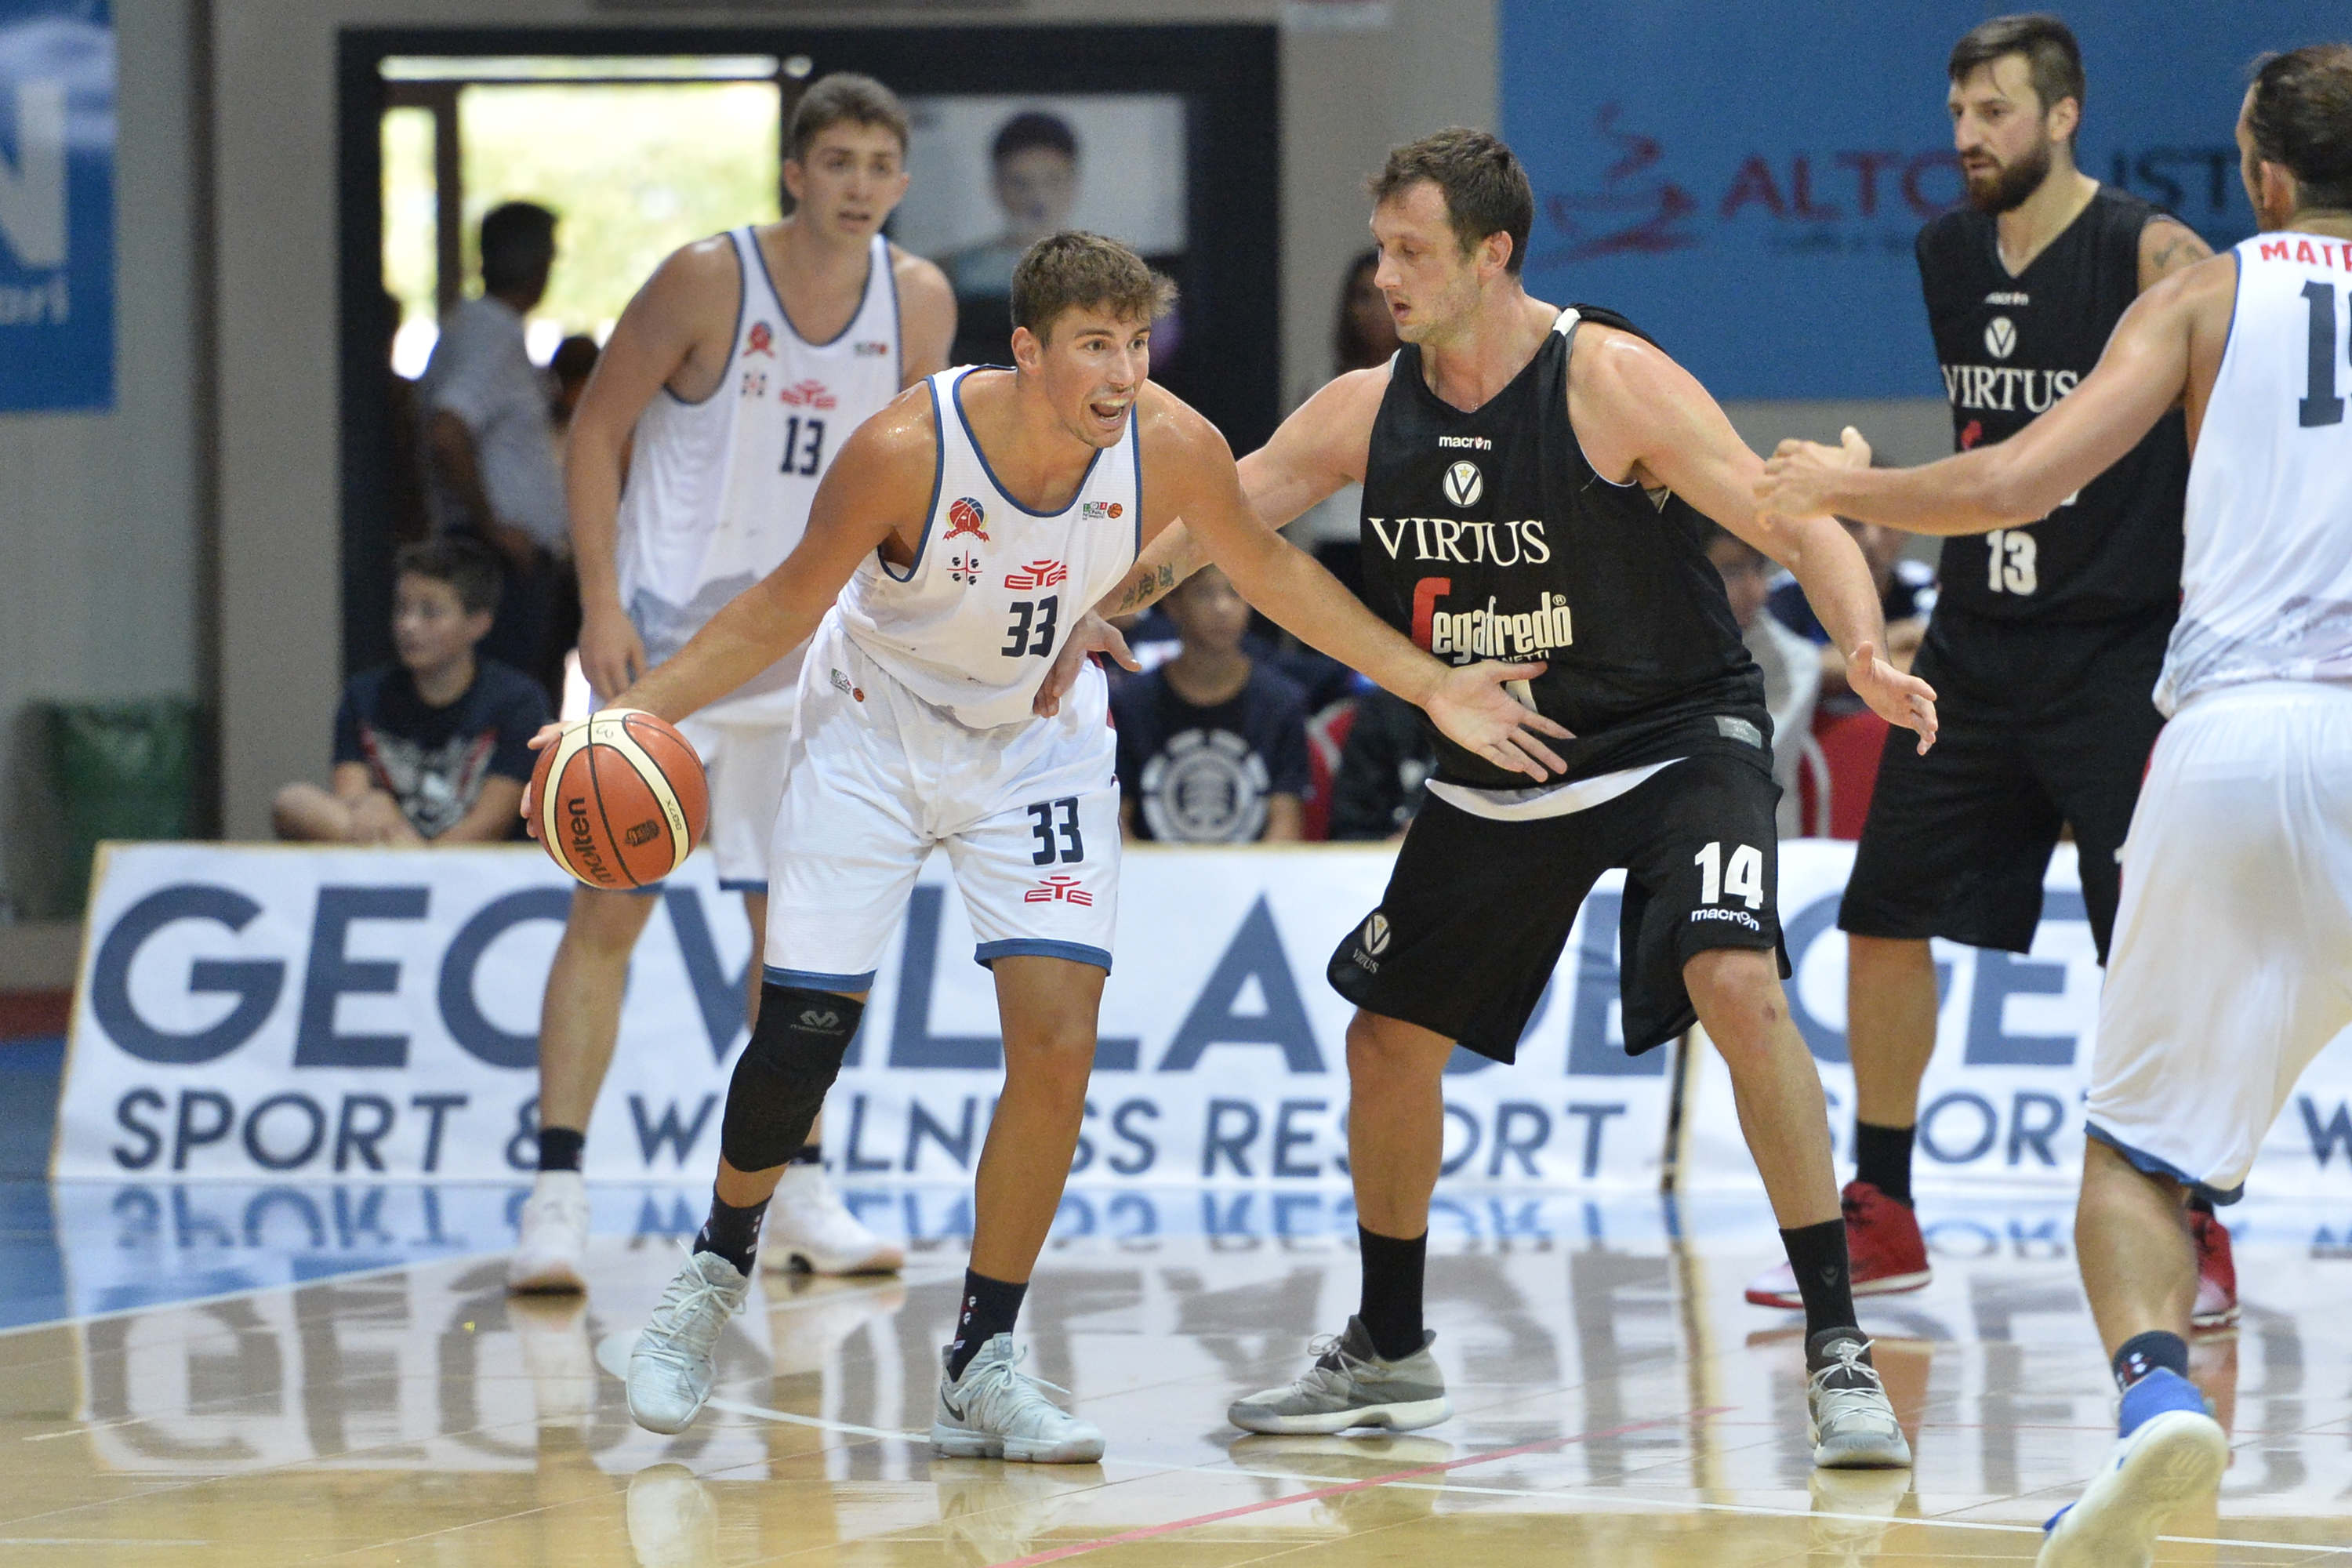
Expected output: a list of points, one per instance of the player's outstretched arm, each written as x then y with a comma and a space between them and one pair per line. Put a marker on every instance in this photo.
1643, 418
1320, 448
1188, 461
2144, 371
878, 485
680, 323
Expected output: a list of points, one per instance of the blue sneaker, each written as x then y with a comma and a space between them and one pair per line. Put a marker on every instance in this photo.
2171, 1456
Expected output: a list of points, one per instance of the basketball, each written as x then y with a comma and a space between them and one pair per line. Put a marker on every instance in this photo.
621, 799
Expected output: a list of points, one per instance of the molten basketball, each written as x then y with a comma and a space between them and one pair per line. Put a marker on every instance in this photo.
621, 799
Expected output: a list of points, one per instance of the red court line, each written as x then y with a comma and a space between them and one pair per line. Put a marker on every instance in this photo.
1152, 1532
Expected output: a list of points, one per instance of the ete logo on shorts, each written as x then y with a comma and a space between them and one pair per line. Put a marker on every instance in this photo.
1058, 888
1376, 935
2000, 337
965, 516
1465, 484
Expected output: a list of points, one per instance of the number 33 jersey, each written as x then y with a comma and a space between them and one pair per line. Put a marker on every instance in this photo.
718, 490
973, 625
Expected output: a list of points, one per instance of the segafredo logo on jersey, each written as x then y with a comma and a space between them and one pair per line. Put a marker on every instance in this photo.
2007, 387
807, 395
1037, 574
966, 515
1096, 511
1464, 484
1488, 632
1468, 543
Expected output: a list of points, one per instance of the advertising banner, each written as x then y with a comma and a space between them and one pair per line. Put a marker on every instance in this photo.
259, 1013
2002, 1099
1747, 188
57, 205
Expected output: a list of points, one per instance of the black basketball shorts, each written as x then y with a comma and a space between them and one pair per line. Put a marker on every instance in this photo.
2049, 730
1477, 909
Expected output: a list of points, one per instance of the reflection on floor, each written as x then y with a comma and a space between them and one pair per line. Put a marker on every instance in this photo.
206, 1374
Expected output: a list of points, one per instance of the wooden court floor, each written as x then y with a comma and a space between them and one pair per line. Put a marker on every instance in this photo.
1616, 1401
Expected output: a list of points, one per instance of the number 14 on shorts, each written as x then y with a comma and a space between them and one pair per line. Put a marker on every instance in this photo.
1742, 876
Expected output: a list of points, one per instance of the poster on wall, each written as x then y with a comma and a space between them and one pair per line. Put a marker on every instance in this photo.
1748, 194
56, 205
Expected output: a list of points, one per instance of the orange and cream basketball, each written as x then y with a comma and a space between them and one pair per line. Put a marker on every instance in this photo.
621, 799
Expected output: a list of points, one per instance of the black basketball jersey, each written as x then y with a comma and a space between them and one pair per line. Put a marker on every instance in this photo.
2010, 347
1487, 535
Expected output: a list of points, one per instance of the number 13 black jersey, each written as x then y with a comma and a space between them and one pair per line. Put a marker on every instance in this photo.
1487, 535
2010, 347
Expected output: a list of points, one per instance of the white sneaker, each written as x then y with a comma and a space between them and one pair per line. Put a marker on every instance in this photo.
995, 1411
808, 1227
673, 1524
554, 1235
553, 1334
2169, 1462
671, 1367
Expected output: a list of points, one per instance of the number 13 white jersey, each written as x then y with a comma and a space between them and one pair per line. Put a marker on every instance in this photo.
972, 626
2266, 576
718, 490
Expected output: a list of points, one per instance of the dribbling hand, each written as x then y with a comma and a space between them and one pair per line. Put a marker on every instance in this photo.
1470, 706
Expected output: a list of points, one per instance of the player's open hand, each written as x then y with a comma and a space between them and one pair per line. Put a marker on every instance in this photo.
1801, 477
1476, 710
612, 654
1903, 700
1092, 635
548, 735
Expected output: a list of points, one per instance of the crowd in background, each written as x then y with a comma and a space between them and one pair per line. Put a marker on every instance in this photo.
1234, 733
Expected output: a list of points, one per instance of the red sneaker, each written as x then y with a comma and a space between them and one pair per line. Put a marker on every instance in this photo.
1883, 1248
2217, 1273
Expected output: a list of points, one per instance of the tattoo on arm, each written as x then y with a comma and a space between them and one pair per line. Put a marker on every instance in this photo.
2178, 246
1147, 586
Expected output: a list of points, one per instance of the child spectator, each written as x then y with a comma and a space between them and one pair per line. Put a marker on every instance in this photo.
1791, 665
1211, 743
434, 749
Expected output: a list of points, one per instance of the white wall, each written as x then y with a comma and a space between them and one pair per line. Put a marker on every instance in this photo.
99, 528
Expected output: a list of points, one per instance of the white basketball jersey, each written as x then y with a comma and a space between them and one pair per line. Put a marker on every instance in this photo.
973, 625
2266, 574
718, 490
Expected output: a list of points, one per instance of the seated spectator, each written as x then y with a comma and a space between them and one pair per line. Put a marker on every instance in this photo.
1211, 743
1793, 667
1907, 592
434, 749
1378, 788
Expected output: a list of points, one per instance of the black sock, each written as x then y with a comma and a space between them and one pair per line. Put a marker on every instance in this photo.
988, 1307
2143, 1353
558, 1148
1817, 1252
1391, 1303
732, 1232
1882, 1156
807, 1154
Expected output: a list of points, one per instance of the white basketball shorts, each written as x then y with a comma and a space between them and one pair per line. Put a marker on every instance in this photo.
1028, 813
2231, 965
745, 763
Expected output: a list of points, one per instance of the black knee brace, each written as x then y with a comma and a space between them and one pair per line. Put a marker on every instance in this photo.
781, 1082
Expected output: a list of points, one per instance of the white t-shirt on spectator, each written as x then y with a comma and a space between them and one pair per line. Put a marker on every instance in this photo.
1792, 681
481, 372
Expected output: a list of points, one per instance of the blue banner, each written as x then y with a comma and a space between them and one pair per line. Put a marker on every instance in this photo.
1745, 183
57, 205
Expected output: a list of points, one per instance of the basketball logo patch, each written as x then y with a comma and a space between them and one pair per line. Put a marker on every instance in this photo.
1465, 484
965, 516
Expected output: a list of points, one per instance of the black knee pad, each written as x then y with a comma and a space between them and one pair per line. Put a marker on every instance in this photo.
781, 1082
